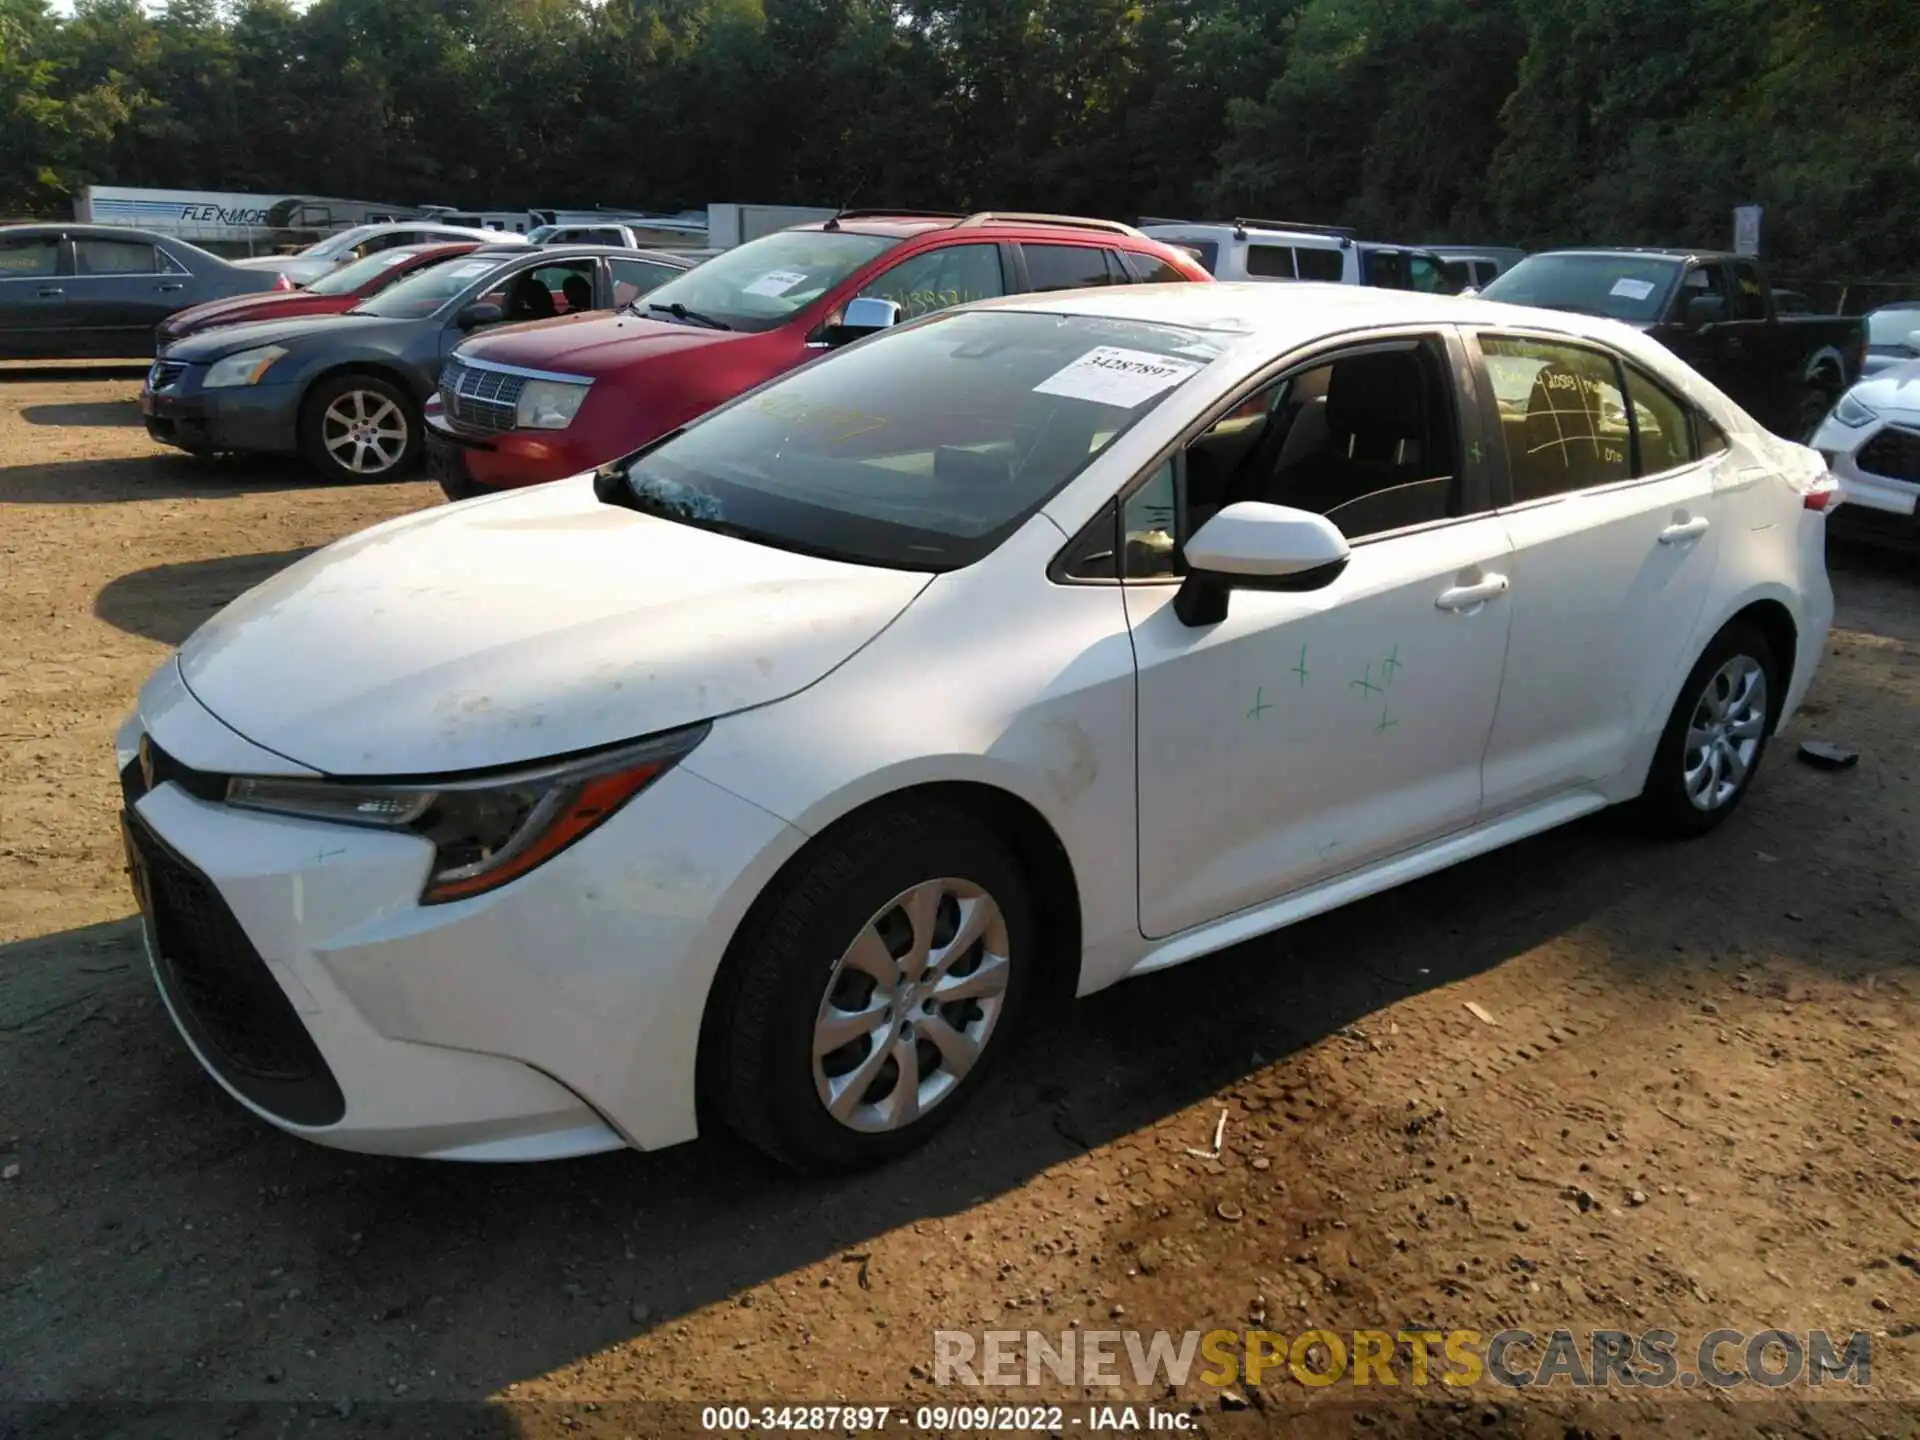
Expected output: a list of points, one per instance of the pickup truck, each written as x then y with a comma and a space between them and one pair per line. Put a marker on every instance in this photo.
1715, 311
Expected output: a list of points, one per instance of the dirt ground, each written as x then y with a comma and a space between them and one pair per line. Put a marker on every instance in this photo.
1590, 1082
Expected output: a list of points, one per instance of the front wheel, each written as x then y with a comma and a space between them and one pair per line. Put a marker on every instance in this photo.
870, 997
355, 429
1715, 736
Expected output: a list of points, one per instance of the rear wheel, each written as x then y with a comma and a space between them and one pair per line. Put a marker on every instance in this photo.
1716, 735
360, 428
872, 994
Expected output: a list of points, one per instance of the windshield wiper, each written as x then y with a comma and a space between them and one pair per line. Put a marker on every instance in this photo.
681, 312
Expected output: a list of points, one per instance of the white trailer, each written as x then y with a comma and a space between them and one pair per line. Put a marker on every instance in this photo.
729, 225
230, 219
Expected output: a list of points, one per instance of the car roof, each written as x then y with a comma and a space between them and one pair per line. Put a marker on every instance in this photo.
904, 224
1302, 311
548, 253
1652, 252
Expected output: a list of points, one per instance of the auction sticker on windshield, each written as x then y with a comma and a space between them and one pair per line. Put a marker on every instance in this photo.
1115, 375
472, 267
776, 282
1632, 289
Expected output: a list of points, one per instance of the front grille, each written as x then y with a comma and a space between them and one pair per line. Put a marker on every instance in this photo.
165, 373
479, 399
1894, 453
227, 999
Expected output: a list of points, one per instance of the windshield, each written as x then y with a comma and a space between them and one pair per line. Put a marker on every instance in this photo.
1624, 287
425, 291
349, 278
1893, 328
923, 449
335, 244
765, 282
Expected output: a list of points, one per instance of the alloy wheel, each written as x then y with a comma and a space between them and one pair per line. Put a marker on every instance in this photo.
364, 432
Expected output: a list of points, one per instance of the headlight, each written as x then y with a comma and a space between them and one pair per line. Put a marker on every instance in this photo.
485, 831
246, 368
548, 404
1852, 412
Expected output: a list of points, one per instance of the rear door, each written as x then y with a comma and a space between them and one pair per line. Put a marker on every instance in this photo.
1616, 528
33, 297
119, 290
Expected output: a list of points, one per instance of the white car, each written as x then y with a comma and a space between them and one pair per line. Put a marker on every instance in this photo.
323, 256
1871, 439
771, 773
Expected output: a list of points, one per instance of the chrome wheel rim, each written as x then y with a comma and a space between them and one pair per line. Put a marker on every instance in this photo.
911, 1005
1724, 734
364, 432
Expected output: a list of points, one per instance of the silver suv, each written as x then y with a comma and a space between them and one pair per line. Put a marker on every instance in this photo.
1287, 250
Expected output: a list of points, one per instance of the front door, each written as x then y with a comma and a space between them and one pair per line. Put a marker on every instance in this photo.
1310, 733
1616, 533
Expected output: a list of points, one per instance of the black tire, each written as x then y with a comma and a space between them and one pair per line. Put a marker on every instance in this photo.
317, 427
758, 1070
1665, 806
1815, 402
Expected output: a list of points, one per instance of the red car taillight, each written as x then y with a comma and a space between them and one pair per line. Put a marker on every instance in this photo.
1822, 494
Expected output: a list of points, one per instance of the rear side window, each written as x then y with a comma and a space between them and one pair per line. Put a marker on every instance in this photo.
1562, 417
1270, 262
1152, 270
1066, 267
1316, 264
29, 255
1660, 425
113, 257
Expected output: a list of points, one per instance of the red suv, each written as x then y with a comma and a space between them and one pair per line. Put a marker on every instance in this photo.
537, 402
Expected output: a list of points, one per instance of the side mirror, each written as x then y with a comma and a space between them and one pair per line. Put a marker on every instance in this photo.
1252, 545
479, 313
864, 316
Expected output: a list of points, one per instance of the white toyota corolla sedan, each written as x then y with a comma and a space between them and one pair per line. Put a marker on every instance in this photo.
773, 772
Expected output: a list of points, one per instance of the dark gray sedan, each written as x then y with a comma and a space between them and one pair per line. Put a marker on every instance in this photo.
345, 391
97, 291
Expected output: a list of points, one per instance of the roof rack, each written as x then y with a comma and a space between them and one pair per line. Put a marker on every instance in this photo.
891, 213
1241, 222
1023, 217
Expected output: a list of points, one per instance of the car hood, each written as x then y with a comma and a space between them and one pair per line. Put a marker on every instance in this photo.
1894, 390
594, 344
524, 626
287, 330
235, 308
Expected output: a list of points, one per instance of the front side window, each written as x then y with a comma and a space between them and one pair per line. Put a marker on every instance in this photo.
922, 449
1367, 438
940, 279
1150, 530
28, 256
1066, 267
1562, 419
541, 292
1660, 425
1386, 269
1623, 287
1749, 299
1703, 295
766, 282
113, 257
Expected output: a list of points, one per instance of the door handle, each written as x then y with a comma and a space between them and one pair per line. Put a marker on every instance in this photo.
1471, 597
172, 286
51, 293
1681, 531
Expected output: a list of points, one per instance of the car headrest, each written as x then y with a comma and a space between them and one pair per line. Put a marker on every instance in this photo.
1381, 394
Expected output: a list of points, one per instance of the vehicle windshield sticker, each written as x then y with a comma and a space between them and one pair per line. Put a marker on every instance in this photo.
1114, 375
391, 258
776, 282
472, 267
1632, 289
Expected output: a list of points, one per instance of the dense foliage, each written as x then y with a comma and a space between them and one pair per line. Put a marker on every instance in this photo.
1529, 121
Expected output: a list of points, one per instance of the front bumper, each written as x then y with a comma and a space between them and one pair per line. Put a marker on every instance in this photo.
556, 1016
256, 419
468, 465
1878, 464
